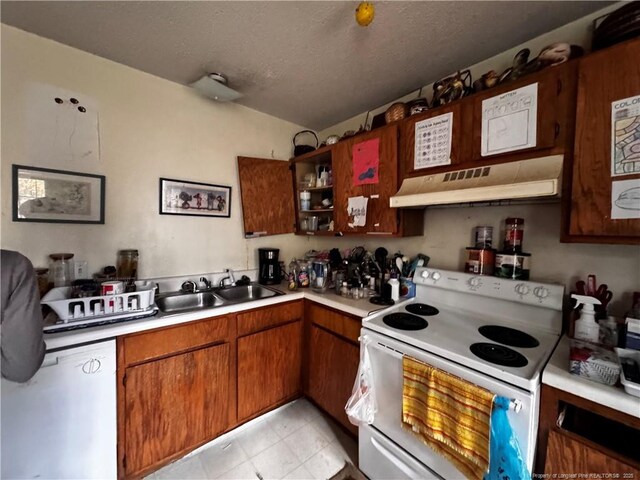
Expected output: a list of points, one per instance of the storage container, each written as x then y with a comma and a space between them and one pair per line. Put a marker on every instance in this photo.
632, 388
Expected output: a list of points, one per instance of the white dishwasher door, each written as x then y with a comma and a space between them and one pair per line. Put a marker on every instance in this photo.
62, 423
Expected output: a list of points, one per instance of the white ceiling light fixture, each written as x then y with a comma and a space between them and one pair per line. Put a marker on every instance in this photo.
214, 86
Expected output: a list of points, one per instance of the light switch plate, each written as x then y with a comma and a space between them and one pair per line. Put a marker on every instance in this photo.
80, 269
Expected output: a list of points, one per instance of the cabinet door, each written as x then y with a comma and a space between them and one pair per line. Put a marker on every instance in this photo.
266, 187
333, 365
269, 368
568, 453
459, 154
380, 216
174, 404
604, 77
547, 125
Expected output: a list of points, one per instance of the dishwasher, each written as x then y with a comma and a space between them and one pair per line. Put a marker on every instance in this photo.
62, 423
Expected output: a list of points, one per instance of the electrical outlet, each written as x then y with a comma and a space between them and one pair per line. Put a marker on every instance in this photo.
80, 269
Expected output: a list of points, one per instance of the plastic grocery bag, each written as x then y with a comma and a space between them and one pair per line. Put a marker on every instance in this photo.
505, 462
361, 407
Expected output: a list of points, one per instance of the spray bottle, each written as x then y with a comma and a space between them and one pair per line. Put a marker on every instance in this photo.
586, 327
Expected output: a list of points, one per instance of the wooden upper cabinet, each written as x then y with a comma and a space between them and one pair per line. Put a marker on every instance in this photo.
553, 87
380, 216
604, 77
459, 144
266, 188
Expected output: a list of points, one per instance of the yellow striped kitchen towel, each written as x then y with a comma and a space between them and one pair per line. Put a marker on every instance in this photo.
450, 415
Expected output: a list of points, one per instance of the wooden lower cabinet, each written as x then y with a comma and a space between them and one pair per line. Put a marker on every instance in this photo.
567, 453
269, 368
332, 368
174, 404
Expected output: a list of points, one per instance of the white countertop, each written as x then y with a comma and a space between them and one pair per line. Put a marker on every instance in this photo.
358, 308
557, 375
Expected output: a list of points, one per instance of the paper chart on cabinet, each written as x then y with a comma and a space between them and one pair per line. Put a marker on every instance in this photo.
433, 141
625, 199
509, 121
625, 136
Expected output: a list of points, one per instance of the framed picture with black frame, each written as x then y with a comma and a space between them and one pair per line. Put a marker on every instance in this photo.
57, 196
182, 197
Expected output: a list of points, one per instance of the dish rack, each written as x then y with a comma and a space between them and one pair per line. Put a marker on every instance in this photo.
85, 308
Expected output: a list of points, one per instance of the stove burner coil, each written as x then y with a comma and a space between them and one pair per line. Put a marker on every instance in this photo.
508, 336
405, 321
498, 354
422, 309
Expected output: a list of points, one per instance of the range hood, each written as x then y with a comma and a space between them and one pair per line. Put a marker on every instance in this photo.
538, 177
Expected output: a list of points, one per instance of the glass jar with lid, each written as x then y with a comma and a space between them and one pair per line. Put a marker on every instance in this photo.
61, 269
127, 266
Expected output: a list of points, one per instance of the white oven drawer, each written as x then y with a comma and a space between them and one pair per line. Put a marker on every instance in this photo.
381, 459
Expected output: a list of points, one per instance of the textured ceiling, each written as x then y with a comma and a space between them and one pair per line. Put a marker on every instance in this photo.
306, 62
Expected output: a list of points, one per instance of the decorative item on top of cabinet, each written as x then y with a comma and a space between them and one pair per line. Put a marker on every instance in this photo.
604, 204
375, 184
266, 190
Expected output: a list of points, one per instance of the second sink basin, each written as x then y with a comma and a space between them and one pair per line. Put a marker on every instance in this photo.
188, 301
246, 293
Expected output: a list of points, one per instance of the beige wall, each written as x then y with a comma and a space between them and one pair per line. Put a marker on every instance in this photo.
448, 230
149, 128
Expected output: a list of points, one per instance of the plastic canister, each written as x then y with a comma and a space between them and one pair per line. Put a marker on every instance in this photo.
305, 200
480, 261
513, 265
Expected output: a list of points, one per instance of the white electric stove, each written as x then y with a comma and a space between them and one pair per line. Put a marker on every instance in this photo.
493, 332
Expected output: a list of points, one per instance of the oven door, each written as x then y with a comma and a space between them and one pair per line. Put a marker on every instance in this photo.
386, 362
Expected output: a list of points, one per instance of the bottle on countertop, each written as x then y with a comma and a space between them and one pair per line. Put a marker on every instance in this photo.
395, 287
586, 327
292, 277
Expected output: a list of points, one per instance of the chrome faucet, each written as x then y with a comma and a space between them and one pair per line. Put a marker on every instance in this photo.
189, 287
230, 277
207, 283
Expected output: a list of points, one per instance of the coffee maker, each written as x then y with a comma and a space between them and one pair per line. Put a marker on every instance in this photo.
269, 273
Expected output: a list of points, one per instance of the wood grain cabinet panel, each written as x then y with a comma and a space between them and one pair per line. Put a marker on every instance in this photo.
381, 217
266, 188
173, 405
269, 368
569, 454
260, 319
604, 77
550, 89
144, 346
332, 369
343, 325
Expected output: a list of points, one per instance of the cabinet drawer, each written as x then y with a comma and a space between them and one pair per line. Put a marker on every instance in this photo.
343, 325
157, 343
255, 320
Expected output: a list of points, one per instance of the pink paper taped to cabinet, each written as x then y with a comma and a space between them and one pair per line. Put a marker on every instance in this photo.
366, 160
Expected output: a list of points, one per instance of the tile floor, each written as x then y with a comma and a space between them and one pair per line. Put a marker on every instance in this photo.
296, 441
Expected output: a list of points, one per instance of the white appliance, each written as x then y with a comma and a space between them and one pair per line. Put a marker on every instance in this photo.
62, 423
448, 330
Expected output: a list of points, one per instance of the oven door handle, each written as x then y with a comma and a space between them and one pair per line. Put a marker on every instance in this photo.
395, 460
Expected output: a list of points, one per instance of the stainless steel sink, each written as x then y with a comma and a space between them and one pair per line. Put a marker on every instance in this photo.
218, 297
180, 302
246, 293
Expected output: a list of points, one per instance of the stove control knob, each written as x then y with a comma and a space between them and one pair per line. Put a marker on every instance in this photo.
425, 274
436, 276
474, 282
541, 292
522, 289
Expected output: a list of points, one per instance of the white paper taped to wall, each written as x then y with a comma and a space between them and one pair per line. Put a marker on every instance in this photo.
625, 199
433, 141
625, 136
62, 128
509, 121
357, 208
